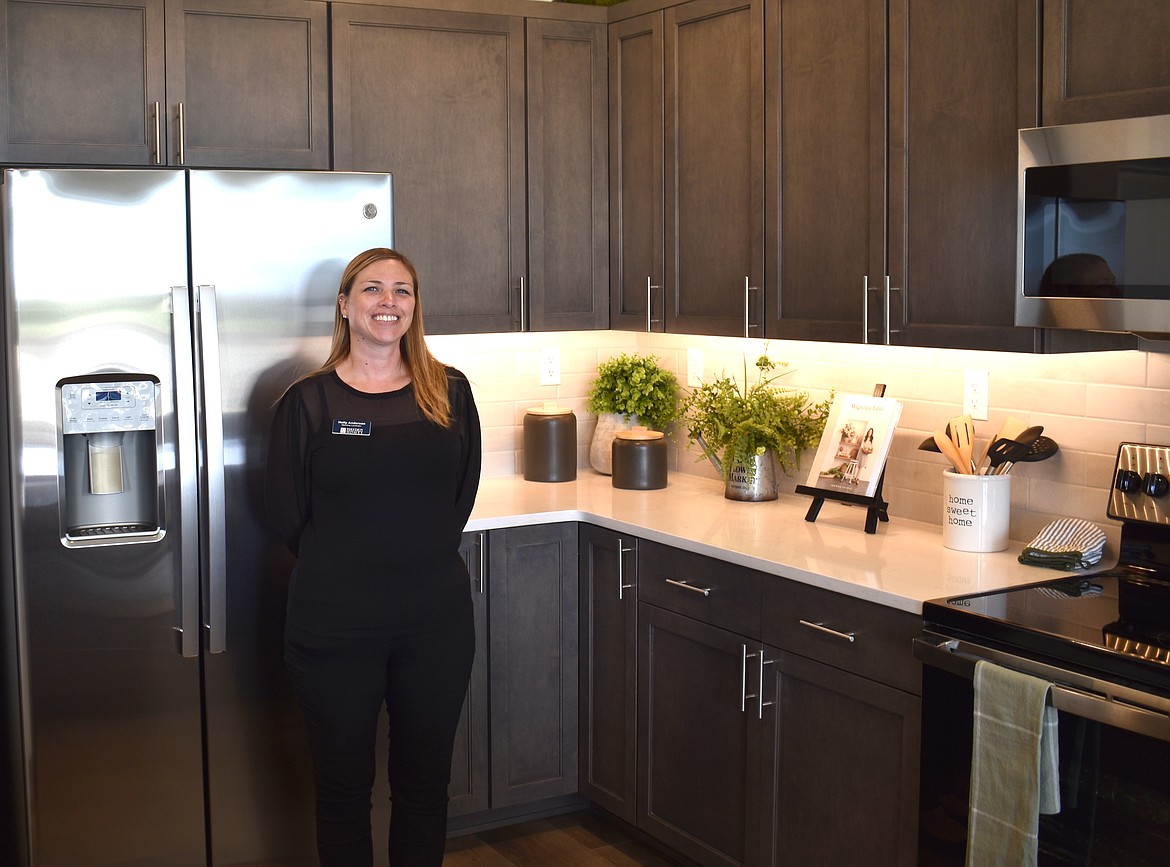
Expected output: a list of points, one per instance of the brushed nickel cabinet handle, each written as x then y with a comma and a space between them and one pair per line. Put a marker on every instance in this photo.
519, 317
706, 591
761, 704
622, 585
820, 627
743, 693
157, 134
650, 287
182, 135
886, 288
748, 289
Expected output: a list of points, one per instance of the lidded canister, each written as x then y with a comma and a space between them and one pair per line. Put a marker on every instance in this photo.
639, 459
550, 444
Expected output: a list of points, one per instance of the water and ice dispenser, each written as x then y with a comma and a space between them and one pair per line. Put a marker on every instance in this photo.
109, 457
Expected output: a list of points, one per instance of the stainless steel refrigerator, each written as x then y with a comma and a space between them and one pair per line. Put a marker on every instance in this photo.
151, 319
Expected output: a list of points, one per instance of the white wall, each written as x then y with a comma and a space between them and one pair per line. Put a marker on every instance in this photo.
1087, 402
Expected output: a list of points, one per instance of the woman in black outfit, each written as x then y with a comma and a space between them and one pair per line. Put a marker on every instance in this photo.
373, 468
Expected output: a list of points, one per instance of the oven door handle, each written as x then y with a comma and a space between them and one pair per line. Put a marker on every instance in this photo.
1107, 703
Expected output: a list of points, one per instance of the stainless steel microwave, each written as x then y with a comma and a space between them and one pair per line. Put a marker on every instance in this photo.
1093, 226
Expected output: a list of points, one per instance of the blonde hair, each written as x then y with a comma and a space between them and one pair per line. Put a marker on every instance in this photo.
428, 374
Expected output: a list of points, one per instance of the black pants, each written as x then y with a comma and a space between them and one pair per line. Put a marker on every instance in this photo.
342, 685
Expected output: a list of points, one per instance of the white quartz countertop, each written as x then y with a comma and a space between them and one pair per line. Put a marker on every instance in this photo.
900, 566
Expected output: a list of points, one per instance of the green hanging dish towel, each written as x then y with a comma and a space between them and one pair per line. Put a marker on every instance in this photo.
1014, 766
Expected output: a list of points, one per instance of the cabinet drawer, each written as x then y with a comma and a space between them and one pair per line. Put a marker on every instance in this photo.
847, 633
706, 589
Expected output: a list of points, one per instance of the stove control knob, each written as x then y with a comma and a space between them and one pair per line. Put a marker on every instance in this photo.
1128, 481
1155, 485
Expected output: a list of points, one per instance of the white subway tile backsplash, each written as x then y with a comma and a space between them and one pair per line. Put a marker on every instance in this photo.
1088, 403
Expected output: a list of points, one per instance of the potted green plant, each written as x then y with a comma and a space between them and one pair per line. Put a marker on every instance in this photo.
629, 388
746, 430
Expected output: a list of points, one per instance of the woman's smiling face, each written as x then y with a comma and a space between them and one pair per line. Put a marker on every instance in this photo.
380, 303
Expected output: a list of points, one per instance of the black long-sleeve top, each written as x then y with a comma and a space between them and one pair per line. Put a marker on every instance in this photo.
373, 499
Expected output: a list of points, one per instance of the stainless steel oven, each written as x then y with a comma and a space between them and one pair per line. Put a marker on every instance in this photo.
1103, 641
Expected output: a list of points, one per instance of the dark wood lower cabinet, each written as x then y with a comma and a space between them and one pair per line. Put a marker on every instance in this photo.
517, 739
471, 763
841, 767
699, 747
532, 636
607, 619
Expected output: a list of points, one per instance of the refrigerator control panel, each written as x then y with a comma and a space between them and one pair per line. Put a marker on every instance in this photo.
116, 405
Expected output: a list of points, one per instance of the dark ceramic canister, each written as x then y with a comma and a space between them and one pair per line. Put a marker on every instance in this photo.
639, 459
550, 444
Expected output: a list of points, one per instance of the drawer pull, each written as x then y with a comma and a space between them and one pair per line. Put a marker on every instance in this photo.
820, 627
706, 591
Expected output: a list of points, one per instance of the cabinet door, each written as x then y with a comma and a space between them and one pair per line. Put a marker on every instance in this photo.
827, 165
470, 764
896, 155
437, 98
962, 82
80, 82
841, 764
636, 176
568, 176
1105, 59
608, 682
248, 83
532, 609
699, 739
714, 239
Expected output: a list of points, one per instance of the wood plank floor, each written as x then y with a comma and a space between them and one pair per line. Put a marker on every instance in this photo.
572, 840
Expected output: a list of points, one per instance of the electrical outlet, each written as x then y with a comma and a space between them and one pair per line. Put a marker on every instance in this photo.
694, 367
550, 365
975, 394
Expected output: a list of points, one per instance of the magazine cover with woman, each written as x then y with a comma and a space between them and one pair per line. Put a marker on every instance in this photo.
854, 446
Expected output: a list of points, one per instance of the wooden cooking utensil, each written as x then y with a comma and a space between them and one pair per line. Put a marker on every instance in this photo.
950, 452
963, 437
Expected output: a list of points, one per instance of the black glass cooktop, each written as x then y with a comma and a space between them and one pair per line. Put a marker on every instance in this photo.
1115, 623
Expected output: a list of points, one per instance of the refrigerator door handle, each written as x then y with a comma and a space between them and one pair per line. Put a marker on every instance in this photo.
211, 427
185, 462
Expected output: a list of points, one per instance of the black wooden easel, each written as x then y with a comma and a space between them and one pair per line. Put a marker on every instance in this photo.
876, 508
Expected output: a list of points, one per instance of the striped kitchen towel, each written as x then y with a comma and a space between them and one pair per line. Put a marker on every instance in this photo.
1066, 543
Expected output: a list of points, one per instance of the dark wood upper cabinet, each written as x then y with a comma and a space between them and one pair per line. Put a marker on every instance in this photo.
714, 165
80, 82
495, 133
962, 82
827, 154
248, 83
437, 98
568, 176
142, 82
1105, 59
687, 222
892, 137
636, 175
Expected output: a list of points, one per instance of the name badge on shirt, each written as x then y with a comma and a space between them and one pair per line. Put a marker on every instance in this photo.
345, 427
